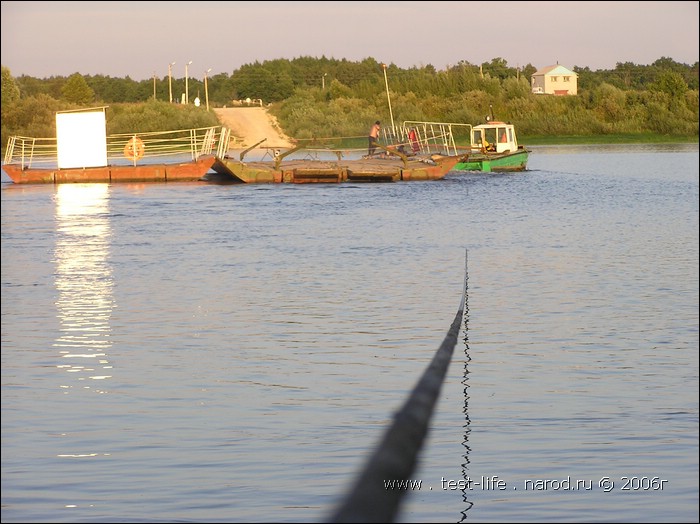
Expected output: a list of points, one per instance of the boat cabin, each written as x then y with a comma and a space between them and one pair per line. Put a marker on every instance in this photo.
494, 137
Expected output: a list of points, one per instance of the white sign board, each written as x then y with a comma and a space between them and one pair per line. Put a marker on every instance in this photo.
81, 139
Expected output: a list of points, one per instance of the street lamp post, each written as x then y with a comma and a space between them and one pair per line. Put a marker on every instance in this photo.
170, 80
323, 82
187, 94
206, 89
393, 129
154, 85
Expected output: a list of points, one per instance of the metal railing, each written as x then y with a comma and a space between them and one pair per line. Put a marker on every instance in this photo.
421, 137
435, 135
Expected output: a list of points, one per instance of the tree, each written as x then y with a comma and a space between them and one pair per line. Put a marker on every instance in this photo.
77, 90
10, 90
671, 83
498, 68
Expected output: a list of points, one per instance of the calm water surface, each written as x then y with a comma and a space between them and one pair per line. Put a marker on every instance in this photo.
203, 353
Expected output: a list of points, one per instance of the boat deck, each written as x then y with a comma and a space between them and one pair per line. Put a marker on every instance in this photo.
301, 171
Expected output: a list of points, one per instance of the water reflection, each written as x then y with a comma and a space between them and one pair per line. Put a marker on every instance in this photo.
467, 422
83, 280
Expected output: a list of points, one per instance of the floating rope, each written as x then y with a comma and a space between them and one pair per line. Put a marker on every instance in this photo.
394, 460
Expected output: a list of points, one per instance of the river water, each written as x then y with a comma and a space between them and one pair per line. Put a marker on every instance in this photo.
206, 353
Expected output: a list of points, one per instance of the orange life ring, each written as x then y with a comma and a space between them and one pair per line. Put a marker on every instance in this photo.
134, 148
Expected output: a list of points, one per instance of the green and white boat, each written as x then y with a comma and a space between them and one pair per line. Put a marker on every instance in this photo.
494, 147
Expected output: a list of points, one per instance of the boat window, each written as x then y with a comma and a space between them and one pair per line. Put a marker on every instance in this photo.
491, 135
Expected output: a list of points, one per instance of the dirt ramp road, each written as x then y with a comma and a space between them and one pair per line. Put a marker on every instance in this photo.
249, 125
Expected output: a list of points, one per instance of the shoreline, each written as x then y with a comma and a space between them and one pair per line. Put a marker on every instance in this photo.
606, 139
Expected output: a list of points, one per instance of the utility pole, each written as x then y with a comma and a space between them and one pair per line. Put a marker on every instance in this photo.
393, 129
206, 88
187, 95
170, 80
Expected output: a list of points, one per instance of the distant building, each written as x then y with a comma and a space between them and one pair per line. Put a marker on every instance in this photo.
555, 80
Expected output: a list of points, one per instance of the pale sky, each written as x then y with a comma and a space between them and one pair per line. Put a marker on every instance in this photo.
140, 39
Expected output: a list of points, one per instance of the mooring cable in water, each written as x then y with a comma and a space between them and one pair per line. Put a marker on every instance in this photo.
466, 492
378, 491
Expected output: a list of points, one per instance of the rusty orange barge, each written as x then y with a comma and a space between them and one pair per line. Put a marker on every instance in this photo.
82, 152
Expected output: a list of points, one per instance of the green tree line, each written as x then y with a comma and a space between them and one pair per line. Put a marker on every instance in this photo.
322, 97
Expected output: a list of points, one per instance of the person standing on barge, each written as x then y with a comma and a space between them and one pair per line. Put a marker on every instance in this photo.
373, 138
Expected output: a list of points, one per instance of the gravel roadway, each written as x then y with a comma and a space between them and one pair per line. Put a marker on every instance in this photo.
250, 125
